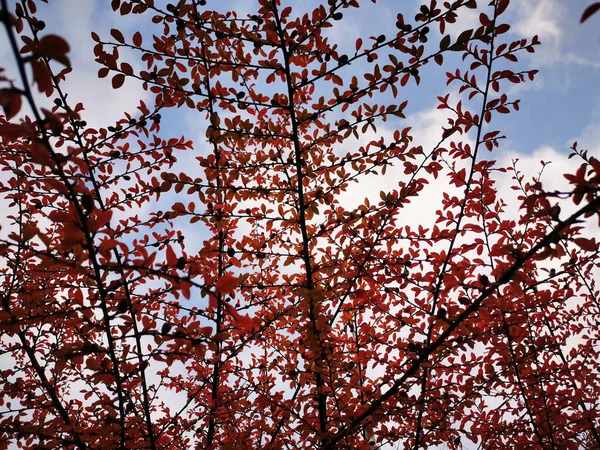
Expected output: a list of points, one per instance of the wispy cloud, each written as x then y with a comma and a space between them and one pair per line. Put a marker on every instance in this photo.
541, 17
549, 20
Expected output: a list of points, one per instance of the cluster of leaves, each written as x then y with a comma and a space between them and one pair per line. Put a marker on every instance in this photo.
299, 323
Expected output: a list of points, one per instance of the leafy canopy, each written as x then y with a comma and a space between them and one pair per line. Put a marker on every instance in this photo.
227, 292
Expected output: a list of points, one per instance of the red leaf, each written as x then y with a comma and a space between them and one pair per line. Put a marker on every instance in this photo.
226, 284
170, 256
242, 320
126, 68
28, 231
108, 244
118, 80
501, 7
286, 12
137, 39
93, 364
12, 130
42, 77
590, 11
103, 218
589, 245
502, 28
464, 37
206, 331
53, 47
10, 100
117, 35
39, 154
185, 287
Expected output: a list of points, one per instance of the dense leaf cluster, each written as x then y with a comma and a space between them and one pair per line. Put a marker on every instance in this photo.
284, 318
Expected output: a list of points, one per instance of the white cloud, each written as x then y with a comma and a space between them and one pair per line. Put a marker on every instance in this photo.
540, 17
549, 20
426, 131
467, 19
76, 21
552, 178
590, 136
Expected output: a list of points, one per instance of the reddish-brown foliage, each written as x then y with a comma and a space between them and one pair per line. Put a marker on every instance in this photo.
282, 318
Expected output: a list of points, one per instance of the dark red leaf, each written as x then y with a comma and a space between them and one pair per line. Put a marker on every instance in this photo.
590, 11
10, 100
42, 77
226, 284
117, 35
53, 47
118, 80
171, 258
501, 6
137, 39
12, 130
242, 320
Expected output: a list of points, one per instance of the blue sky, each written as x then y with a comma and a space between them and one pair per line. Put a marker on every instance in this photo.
562, 105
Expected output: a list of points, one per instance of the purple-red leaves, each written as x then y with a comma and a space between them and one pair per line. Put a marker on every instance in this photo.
461, 40
589, 245
226, 284
53, 47
590, 11
171, 258
241, 320
137, 39
10, 100
148, 295
42, 76
117, 35
118, 80
501, 6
